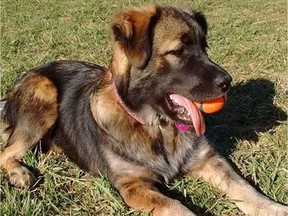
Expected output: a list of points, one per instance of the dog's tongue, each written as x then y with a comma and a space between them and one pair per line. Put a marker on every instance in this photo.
194, 113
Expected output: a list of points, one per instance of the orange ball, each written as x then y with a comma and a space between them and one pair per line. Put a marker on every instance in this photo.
211, 106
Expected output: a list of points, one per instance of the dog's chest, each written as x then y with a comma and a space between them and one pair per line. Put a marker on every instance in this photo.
164, 151
170, 152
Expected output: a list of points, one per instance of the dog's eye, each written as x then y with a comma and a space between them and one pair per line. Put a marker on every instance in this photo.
177, 51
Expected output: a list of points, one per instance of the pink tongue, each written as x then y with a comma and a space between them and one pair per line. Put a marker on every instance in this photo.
195, 114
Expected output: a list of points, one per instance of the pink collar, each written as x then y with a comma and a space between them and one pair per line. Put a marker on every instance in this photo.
180, 126
121, 102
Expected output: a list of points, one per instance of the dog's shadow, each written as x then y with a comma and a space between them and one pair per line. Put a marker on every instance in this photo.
248, 111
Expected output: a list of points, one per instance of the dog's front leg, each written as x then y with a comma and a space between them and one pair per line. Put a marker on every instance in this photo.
140, 194
216, 170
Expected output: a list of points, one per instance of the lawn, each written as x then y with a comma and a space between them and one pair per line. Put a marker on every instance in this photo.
246, 37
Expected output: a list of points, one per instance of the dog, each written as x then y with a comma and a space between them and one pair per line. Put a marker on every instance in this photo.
134, 120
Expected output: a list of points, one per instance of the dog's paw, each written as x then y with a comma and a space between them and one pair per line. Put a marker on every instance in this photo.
21, 177
269, 208
174, 209
273, 209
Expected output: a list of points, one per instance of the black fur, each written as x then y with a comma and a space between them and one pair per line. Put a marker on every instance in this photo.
76, 131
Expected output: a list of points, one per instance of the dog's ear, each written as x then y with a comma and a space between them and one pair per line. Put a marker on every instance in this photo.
132, 30
201, 20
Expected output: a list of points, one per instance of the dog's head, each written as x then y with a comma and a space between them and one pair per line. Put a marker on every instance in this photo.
160, 63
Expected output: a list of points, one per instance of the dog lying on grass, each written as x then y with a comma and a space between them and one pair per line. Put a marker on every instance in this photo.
127, 120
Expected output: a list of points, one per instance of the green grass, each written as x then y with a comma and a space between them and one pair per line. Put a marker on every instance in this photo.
246, 37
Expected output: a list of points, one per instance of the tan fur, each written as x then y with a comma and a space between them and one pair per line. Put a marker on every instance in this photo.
19, 175
16, 150
170, 45
5, 133
134, 24
119, 63
38, 89
173, 30
219, 173
108, 112
166, 47
43, 89
35, 89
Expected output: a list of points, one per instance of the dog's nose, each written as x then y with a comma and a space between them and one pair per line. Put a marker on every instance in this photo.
223, 82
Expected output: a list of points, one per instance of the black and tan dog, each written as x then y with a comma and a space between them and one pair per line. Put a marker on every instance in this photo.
134, 120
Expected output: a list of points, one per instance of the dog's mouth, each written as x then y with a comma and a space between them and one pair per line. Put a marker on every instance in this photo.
186, 113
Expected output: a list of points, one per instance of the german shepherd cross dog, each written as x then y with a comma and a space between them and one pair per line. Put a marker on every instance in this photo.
127, 120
